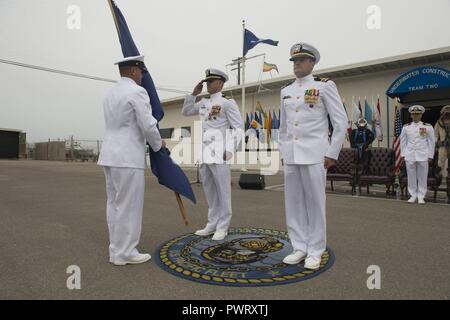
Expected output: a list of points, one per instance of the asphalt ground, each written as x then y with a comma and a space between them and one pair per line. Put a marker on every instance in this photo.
52, 215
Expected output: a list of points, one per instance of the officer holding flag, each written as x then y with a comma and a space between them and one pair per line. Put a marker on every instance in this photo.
129, 124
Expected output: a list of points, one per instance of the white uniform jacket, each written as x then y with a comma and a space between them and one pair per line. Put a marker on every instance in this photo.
129, 123
417, 142
305, 106
222, 125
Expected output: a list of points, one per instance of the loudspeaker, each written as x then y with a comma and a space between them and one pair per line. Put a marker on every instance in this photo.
252, 181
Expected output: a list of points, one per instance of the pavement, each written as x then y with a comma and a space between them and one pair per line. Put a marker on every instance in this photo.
53, 216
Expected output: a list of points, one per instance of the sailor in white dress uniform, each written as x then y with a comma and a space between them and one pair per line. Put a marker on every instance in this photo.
222, 129
307, 152
129, 124
417, 145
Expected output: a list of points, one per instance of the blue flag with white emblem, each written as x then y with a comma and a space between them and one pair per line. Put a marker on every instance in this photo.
250, 41
168, 173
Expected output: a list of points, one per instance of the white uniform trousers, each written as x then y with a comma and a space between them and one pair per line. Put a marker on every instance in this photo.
216, 180
305, 201
125, 193
417, 178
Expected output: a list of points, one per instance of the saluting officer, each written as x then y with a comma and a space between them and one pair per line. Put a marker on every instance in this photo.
129, 123
417, 143
307, 153
218, 114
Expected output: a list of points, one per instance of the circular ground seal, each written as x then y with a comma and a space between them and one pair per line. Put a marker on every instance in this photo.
247, 257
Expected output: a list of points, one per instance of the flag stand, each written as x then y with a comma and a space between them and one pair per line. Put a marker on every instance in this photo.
243, 169
182, 209
197, 165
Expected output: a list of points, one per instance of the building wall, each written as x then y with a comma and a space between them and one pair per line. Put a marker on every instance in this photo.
53, 151
9, 144
22, 145
40, 151
370, 85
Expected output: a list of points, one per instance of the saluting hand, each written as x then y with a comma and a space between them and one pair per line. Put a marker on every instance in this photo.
198, 89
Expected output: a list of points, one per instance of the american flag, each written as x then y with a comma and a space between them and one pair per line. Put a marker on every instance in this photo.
396, 144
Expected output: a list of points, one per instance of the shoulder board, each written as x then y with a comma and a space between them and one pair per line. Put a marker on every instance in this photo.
321, 79
405, 125
288, 84
226, 97
427, 124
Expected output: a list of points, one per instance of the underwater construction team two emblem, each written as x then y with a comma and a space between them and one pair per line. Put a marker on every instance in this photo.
247, 257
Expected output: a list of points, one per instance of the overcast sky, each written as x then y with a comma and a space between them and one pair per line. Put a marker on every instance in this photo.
180, 40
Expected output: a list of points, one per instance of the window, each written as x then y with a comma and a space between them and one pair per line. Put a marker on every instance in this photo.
166, 133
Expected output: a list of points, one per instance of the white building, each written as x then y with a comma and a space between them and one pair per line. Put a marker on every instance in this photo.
418, 78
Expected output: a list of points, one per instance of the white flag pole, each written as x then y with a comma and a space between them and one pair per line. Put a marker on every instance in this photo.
243, 68
243, 92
